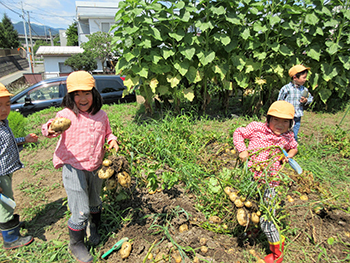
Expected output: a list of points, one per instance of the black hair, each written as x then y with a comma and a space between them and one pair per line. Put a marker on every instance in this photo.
301, 73
268, 119
97, 102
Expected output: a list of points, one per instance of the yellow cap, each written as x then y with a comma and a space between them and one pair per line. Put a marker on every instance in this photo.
80, 80
296, 69
282, 109
4, 92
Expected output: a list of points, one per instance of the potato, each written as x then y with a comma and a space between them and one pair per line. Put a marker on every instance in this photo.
290, 199
183, 228
105, 173
124, 179
177, 257
238, 203
304, 197
204, 249
203, 241
125, 250
195, 260
214, 219
255, 218
242, 217
111, 183
248, 204
258, 213
228, 190
107, 162
60, 124
233, 196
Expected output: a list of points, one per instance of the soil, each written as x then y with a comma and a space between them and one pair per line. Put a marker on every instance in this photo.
313, 226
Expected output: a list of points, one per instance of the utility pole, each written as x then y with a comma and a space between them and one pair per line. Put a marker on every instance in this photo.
25, 35
50, 37
31, 41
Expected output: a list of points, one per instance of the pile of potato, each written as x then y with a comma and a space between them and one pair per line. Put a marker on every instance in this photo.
247, 210
116, 170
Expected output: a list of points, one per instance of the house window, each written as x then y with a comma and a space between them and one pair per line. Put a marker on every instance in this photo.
105, 27
64, 68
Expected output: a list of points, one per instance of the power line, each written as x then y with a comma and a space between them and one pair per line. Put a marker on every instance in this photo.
11, 9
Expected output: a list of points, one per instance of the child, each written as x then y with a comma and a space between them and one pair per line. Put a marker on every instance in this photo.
296, 94
80, 151
275, 132
9, 163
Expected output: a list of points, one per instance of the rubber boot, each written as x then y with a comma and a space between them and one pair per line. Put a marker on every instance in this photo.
277, 252
94, 225
77, 246
11, 236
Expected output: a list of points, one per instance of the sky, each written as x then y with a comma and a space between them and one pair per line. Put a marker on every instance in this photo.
53, 13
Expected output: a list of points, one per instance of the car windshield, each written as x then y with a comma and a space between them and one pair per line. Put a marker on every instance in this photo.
45, 92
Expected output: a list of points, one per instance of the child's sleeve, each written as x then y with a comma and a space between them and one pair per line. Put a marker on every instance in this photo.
109, 135
309, 98
240, 134
282, 94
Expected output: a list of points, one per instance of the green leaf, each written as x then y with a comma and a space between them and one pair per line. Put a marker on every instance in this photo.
254, 10
233, 19
326, 11
314, 53
185, 17
225, 40
120, 65
274, 46
217, 10
146, 43
189, 94
319, 31
259, 55
203, 26
257, 27
163, 89
141, 71
324, 94
178, 35
180, 4
311, 19
227, 84
153, 84
167, 53
346, 13
274, 20
128, 56
191, 75
221, 71
345, 60
245, 34
329, 71
284, 50
206, 57
331, 23
214, 186
332, 49
130, 82
155, 57
238, 62
241, 79
187, 52
173, 80
156, 33
136, 11
182, 67
131, 30
251, 66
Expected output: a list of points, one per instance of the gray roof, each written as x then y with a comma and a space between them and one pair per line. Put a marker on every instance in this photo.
86, 10
58, 50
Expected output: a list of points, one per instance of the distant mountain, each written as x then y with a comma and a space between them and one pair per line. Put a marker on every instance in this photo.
37, 30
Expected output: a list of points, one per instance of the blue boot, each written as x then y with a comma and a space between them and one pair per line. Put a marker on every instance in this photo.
11, 236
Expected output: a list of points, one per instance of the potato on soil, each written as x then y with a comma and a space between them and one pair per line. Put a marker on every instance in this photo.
60, 124
124, 179
105, 172
214, 219
238, 203
111, 183
204, 249
255, 218
107, 162
183, 228
125, 250
248, 204
304, 197
119, 163
233, 196
242, 217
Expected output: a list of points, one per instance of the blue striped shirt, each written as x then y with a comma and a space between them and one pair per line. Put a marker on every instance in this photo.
9, 152
292, 94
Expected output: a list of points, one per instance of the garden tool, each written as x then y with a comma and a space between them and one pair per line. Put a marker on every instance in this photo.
293, 163
117, 246
277, 252
7, 201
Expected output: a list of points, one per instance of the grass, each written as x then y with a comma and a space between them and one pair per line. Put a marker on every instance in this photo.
190, 145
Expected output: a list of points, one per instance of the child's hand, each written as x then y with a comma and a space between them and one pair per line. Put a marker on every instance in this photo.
113, 144
243, 155
52, 132
303, 100
31, 137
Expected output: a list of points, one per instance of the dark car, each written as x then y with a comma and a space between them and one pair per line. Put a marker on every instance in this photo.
50, 92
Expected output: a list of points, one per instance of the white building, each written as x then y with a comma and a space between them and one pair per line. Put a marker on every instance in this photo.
54, 58
93, 17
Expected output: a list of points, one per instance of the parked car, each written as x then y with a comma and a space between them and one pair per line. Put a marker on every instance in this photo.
50, 92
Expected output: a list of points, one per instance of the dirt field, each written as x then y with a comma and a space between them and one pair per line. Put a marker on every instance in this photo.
313, 228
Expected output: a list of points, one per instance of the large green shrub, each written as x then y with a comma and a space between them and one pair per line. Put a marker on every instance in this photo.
17, 123
179, 48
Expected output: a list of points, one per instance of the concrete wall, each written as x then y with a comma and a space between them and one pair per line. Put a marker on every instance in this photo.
11, 64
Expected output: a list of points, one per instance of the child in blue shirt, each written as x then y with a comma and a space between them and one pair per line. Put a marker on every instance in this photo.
9, 163
296, 94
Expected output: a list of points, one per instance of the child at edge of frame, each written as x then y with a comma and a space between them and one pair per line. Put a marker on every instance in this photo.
9, 163
275, 131
80, 151
295, 93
